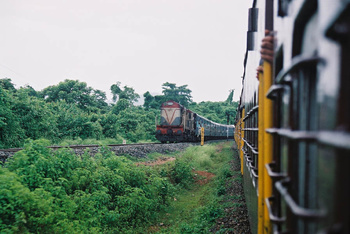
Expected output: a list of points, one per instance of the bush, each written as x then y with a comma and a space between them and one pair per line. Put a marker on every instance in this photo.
56, 191
181, 172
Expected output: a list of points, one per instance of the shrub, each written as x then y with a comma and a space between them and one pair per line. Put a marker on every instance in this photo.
56, 191
181, 172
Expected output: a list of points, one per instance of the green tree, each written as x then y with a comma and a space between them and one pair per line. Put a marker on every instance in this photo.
148, 99
6, 83
71, 120
34, 116
99, 98
129, 94
75, 92
126, 93
179, 94
136, 123
230, 113
230, 96
11, 133
127, 125
121, 105
153, 102
108, 123
115, 89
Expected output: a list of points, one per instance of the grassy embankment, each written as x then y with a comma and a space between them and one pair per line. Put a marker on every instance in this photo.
199, 193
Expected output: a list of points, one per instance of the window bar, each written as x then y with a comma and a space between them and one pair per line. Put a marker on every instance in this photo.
272, 174
251, 129
254, 109
273, 218
330, 138
293, 135
249, 164
252, 166
273, 89
335, 139
298, 62
297, 210
254, 151
254, 173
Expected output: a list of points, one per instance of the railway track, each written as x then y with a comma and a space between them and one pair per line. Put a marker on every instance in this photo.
135, 150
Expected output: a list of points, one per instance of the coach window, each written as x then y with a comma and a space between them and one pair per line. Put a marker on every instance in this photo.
339, 32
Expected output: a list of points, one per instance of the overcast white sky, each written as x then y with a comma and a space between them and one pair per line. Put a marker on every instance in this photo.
141, 43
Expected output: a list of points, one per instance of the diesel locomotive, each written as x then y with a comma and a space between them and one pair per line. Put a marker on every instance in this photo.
293, 122
179, 124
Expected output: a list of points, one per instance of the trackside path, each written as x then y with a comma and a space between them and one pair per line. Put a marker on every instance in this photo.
235, 218
212, 200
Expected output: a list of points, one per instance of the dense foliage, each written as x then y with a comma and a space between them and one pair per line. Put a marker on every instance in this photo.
73, 91
171, 91
70, 111
58, 192
46, 191
73, 111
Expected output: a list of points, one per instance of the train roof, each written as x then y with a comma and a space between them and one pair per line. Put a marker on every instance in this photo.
171, 104
212, 122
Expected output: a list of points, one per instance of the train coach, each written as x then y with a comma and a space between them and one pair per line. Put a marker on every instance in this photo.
293, 122
179, 124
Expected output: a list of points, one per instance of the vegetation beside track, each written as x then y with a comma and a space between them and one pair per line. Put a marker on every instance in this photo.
199, 202
56, 191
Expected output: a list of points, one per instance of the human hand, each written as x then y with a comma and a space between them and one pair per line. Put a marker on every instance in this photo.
266, 51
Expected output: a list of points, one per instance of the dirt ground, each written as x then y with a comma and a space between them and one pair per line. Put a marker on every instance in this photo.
200, 177
159, 161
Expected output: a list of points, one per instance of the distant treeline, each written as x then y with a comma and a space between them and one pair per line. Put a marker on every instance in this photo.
71, 110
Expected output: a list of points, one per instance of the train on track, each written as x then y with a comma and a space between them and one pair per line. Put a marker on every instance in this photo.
293, 122
179, 124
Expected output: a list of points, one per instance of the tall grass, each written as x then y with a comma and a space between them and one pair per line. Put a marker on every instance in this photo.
211, 157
